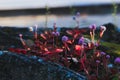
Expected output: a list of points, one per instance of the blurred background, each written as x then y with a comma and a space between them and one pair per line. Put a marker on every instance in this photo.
26, 13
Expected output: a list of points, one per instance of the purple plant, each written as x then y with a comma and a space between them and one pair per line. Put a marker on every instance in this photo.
117, 60
92, 27
76, 18
107, 56
96, 44
64, 38
56, 33
78, 14
81, 41
98, 61
103, 53
54, 25
78, 52
92, 32
53, 33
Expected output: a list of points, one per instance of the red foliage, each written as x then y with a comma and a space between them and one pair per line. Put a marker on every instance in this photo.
48, 49
16, 50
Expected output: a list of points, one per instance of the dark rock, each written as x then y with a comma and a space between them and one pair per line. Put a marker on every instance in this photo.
21, 67
111, 32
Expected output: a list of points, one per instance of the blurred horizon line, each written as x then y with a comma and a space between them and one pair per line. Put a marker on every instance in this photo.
40, 4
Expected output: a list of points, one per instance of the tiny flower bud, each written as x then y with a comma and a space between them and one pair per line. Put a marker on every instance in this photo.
97, 61
53, 33
107, 56
96, 44
36, 26
56, 33
30, 28
64, 38
78, 14
117, 60
103, 53
20, 35
103, 28
81, 40
92, 27
54, 26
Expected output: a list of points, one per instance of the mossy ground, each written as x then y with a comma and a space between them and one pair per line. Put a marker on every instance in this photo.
114, 49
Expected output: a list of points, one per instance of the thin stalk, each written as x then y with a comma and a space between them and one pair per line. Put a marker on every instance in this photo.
97, 70
86, 71
93, 36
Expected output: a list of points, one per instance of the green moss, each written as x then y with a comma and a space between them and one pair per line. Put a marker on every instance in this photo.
114, 48
87, 36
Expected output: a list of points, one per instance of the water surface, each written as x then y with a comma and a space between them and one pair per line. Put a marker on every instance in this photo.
61, 20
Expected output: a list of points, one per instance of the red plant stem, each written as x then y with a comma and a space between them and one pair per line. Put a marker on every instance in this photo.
56, 40
99, 41
86, 71
97, 70
100, 36
53, 41
23, 43
106, 66
66, 46
66, 62
35, 34
105, 62
82, 53
65, 51
82, 50
92, 34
